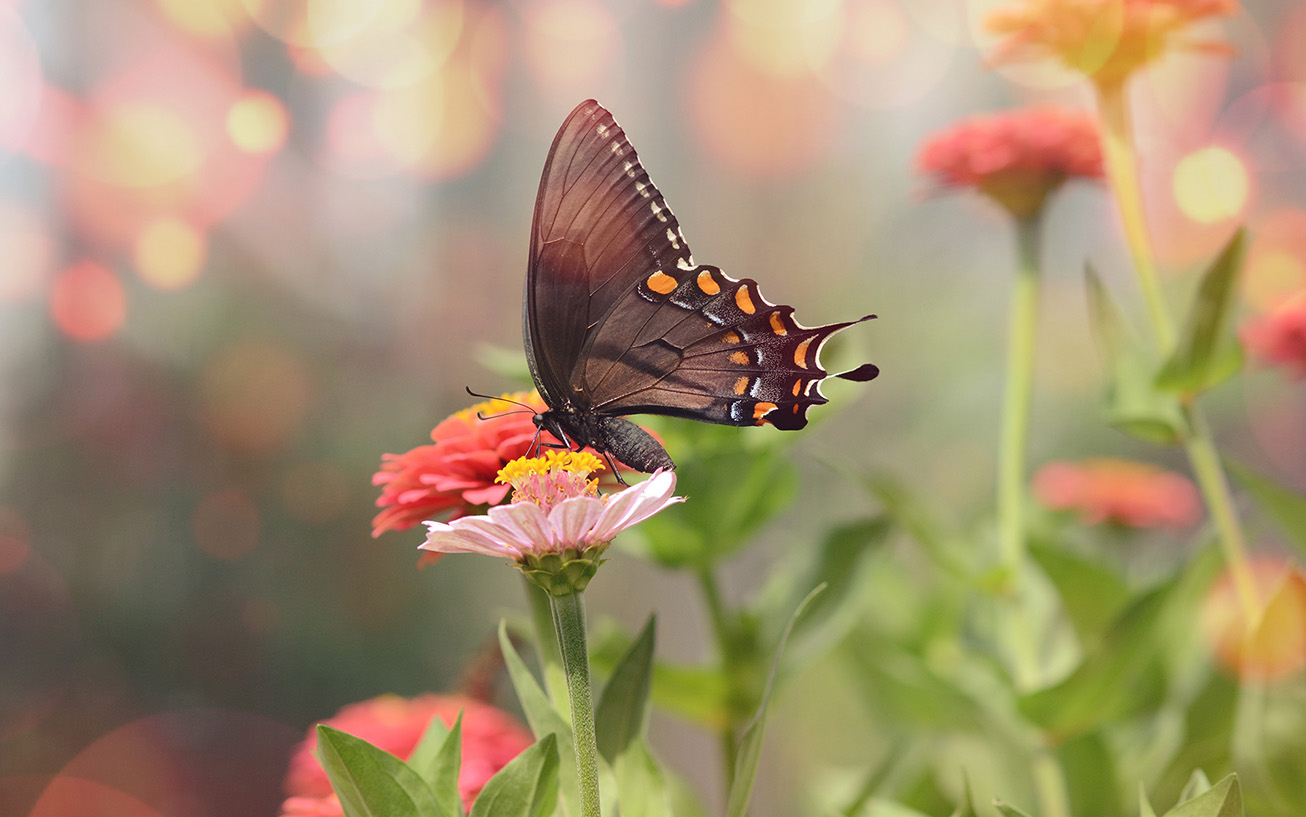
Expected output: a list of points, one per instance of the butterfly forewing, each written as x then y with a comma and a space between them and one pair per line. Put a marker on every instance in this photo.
619, 318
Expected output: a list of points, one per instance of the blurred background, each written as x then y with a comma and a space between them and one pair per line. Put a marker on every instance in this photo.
248, 246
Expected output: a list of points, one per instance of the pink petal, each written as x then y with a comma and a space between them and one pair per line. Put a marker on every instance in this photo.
470, 534
574, 518
526, 524
635, 504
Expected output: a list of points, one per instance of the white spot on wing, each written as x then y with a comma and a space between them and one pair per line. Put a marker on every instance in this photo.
685, 265
601, 130
671, 236
616, 147
630, 170
657, 211
642, 188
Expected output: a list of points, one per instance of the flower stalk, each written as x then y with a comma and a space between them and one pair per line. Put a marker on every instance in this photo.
1122, 171
569, 623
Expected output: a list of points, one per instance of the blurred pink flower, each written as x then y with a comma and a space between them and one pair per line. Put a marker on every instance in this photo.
491, 738
1274, 646
1107, 40
1017, 157
455, 474
1132, 494
1279, 338
557, 526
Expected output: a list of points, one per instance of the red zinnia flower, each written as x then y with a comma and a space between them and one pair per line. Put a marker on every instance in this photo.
456, 473
1107, 40
1017, 158
1132, 494
491, 738
1279, 338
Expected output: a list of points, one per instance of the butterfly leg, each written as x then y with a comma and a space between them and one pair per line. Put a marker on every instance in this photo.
612, 463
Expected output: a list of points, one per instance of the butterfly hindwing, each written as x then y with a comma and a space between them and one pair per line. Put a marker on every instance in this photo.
620, 320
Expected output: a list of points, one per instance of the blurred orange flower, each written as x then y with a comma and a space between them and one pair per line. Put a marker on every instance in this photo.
1107, 40
1018, 157
1132, 494
1279, 338
491, 738
456, 474
1275, 645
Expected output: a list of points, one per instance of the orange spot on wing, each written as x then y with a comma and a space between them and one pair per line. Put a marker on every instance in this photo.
744, 301
760, 410
741, 385
778, 324
731, 337
739, 357
798, 386
707, 283
661, 283
800, 353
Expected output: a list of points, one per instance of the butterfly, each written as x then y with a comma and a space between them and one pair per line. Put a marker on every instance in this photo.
619, 319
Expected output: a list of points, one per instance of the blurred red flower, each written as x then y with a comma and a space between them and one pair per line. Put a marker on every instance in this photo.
455, 474
1017, 157
1132, 494
1107, 40
1275, 645
491, 738
1279, 338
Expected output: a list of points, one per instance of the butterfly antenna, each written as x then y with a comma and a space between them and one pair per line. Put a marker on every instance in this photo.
480, 416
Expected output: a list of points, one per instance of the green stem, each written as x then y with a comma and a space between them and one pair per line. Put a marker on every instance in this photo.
569, 621
1122, 170
1014, 443
725, 648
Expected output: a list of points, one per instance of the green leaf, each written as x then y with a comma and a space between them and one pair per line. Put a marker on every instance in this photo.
1090, 775
1198, 783
1132, 404
1091, 594
835, 566
906, 689
371, 782
966, 808
620, 714
1121, 677
438, 759
1224, 799
1144, 805
1008, 810
1207, 352
1287, 508
542, 718
641, 784
922, 522
736, 491
750, 743
526, 787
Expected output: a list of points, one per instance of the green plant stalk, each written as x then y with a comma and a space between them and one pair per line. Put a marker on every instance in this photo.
721, 629
1013, 452
1014, 444
1122, 172
569, 622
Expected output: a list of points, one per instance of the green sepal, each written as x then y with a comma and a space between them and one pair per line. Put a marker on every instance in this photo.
371, 782
438, 759
1207, 352
526, 787
565, 573
1224, 799
1132, 403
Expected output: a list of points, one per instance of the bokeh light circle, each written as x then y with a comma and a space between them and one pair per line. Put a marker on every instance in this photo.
253, 395
169, 253
87, 302
1275, 645
29, 252
67, 795
569, 44
258, 123
1276, 261
1211, 185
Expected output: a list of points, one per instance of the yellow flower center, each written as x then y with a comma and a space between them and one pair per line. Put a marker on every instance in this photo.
549, 479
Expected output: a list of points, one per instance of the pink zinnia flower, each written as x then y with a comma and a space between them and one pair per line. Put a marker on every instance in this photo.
1107, 40
1132, 494
1018, 157
557, 526
491, 738
1279, 338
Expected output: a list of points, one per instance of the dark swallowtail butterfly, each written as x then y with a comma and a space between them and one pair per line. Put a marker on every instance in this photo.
619, 319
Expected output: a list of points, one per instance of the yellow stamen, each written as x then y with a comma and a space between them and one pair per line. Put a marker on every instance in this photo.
577, 462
